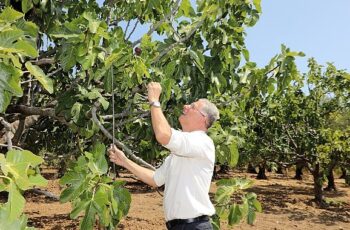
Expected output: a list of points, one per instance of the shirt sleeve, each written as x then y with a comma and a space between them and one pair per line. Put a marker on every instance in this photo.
160, 173
188, 144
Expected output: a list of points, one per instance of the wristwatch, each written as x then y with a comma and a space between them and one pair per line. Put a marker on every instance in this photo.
155, 104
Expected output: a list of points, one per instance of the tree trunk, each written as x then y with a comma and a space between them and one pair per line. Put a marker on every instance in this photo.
224, 169
343, 175
318, 192
261, 175
251, 169
330, 177
279, 170
298, 172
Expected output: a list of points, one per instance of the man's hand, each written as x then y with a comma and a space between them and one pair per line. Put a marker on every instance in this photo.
154, 90
117, 156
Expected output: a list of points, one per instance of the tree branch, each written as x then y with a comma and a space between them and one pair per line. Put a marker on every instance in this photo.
13, 146
155, 27
144, 114
133, 29
119, 144
125, 113
25, 110
44, 61
126, 29
45, 193
54, 72
19, 131
290, 137
9, 129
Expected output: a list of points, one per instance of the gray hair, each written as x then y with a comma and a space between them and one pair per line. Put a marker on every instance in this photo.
211, 111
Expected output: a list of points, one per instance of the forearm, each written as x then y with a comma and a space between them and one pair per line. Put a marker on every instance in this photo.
144, 174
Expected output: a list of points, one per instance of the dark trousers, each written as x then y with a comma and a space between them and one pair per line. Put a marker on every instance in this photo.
200, 225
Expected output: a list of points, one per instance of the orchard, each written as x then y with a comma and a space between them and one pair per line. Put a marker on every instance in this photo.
73, 80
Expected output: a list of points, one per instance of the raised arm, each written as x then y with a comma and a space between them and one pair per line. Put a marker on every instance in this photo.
161, 127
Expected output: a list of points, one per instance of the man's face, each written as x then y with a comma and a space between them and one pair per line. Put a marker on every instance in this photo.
192, 116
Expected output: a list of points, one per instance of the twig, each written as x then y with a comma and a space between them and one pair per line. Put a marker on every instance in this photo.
54, 72
118, 143
271, 70
28, 81
133, 29
155, 27
126, 29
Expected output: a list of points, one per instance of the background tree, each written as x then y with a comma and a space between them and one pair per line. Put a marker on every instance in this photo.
66, 59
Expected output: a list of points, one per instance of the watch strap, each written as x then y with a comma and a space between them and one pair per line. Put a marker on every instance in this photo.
155, 104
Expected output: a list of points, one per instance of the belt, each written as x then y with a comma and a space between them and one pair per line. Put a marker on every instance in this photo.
171, 223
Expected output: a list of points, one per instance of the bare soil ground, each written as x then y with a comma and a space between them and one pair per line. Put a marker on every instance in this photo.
286, 205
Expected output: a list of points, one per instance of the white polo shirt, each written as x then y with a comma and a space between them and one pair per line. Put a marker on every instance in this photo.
187, 174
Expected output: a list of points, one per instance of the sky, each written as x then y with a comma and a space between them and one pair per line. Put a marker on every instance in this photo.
319, 28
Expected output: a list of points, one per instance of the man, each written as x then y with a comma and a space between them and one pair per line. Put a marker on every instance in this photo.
188, 170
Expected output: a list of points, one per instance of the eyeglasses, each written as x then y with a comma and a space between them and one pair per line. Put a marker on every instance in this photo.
193, 106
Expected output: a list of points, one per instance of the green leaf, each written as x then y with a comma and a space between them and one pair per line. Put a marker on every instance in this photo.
29, 28
93, 23
257, 4
5, 99
113, 58
257, 205
10, 80
215, 222
101, 196
78, 182
6, 223
223, 194
123, 198
75, 111
10, 15
67, 194
246, 54
26, 5
87, 61
37, 180
9, 38
24, 156
68, 56
251, 216
197, 60
38, 73
235, 215
88, 221
78, 208
15, 202
140, 70
105, 216
27, 48
186, 8
104, 103
234, 155
93, 94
